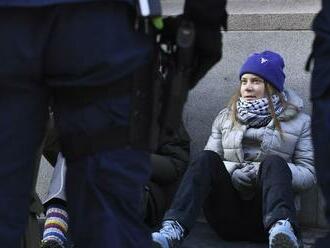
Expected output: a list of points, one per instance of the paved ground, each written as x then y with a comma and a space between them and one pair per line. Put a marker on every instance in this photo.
202, 236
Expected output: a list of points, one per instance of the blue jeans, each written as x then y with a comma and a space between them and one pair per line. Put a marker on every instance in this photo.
53, 47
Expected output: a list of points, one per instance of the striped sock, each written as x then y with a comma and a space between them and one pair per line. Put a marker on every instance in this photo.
56, 225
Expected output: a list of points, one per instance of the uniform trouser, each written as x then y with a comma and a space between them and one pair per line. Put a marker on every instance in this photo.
321, 142
157, 196
104, 190
320, 96
76, 45
321, 139
207, 185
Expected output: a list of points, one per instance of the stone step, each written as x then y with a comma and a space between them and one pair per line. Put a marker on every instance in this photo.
262, 14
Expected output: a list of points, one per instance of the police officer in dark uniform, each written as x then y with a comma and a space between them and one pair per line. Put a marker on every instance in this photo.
320, 96
90, 57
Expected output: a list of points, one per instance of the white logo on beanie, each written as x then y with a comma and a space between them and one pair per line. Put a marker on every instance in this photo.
263, 60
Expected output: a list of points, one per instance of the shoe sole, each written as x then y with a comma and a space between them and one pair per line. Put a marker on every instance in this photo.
51, 244
156, 245
281, 240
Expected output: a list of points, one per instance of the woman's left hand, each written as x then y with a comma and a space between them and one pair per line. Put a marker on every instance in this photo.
251, 171
242, 179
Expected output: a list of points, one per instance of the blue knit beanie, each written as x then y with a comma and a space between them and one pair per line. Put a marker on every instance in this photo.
267, 65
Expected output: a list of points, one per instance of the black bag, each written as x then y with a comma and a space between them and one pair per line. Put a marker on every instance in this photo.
32, 236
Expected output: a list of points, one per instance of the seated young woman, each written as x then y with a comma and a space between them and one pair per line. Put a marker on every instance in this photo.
259, 156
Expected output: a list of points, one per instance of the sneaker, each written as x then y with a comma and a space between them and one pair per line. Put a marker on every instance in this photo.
51, 244
281, 235
170, 236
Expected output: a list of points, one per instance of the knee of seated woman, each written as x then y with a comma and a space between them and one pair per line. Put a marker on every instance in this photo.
275, 162
274, 158
208, 156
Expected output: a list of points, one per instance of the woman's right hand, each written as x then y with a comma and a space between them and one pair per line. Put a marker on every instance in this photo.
244, 178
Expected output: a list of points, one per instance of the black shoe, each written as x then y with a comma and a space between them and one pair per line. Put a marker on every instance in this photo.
156, 245
51, 244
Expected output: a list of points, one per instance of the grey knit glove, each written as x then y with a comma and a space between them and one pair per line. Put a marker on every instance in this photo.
244, 180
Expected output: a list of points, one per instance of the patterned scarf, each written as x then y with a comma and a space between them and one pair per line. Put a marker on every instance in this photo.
256, 113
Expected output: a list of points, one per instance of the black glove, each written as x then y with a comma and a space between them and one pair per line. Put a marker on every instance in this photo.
207, 45
208, 13
208, 51
208, 17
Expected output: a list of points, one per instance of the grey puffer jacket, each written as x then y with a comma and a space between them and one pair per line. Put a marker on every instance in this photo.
295, 146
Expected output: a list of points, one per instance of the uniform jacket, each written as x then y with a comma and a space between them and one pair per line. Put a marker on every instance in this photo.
31, 3
295, 146
207, 12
